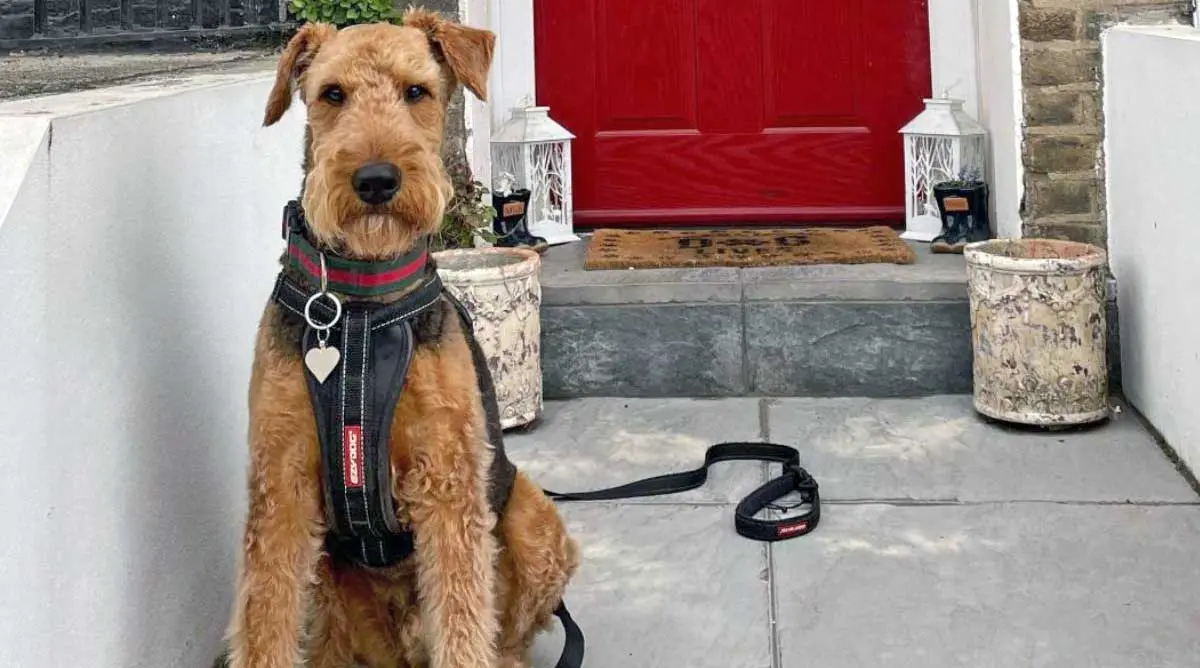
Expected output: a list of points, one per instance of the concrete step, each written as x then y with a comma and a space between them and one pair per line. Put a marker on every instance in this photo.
873, 330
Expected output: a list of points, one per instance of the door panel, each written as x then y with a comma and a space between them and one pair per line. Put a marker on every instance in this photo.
811, 61
712, 111
647, 83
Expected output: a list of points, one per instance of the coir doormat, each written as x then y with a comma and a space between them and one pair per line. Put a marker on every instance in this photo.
750, 247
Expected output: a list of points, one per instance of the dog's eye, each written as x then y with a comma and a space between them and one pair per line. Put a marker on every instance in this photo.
333, 95
414, 93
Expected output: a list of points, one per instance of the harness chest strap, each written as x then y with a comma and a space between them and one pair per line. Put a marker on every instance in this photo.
355, 405
354, 408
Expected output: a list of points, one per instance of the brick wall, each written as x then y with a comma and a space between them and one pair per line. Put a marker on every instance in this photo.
1061, 72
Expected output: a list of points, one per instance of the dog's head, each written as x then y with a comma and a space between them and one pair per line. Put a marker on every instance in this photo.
376, 98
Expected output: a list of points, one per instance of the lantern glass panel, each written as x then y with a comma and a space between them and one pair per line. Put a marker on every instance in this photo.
540, 167
933, 159
508, 167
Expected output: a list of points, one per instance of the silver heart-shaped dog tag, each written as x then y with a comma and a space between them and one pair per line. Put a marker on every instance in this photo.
321, 361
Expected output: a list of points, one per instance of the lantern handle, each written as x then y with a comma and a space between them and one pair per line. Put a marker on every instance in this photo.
949, 87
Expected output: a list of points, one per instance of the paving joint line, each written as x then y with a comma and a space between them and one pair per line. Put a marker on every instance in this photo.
773, 609
764, 434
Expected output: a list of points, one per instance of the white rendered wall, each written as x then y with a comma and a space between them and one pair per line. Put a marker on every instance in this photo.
513, 74
477, 116
953, 52
139, 237
1152, 107
1001, 109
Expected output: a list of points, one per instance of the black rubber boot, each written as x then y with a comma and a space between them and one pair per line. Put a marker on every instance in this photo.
953, 237
510, 224
966, 221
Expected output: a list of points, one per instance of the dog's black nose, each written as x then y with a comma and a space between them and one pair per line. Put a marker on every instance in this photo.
376, 182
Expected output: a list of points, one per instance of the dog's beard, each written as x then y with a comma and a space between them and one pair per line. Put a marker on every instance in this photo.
377, 235
341, 223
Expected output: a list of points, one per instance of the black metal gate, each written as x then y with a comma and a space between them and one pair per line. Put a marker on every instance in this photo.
33, 24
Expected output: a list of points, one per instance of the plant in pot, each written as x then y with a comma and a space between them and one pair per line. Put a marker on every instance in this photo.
963, 203
500, 288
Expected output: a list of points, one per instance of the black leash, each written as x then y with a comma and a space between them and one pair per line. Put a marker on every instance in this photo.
794, 479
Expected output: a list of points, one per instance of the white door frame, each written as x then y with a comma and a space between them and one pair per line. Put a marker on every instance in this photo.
954, 68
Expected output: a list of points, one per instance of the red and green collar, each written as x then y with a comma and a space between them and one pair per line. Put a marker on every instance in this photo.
355, 278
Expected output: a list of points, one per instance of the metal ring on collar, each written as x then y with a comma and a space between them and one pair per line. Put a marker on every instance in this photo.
337, 311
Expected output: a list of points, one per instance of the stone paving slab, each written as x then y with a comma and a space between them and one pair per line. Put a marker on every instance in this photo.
939, 449
945, 541
992, 586
665, 587
596, 443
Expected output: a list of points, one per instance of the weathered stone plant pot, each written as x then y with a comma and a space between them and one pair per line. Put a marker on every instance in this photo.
1038, 330
501, 289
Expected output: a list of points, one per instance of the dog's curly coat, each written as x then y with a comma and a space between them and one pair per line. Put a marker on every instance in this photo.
479, 587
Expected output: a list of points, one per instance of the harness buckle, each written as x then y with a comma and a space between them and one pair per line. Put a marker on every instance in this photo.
292, 218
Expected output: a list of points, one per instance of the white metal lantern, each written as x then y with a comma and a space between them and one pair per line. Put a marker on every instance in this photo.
532, 151
940, 144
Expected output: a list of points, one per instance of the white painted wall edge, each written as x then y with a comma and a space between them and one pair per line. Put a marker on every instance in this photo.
954, 51
1151, 92
477, 115
21, 138
70, 104
1018, 117
135, 351
999, 90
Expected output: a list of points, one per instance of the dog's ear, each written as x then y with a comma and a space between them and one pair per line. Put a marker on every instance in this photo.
296, 58
467, 51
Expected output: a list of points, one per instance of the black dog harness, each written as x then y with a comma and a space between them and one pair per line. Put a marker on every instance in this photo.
361, 351
354, 404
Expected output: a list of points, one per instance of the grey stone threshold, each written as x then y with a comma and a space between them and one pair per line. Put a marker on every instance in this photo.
875, 330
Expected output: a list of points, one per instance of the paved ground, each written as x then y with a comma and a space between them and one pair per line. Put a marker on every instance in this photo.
944, 540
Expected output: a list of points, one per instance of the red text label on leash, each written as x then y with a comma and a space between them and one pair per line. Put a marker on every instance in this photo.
352, 456
789, 529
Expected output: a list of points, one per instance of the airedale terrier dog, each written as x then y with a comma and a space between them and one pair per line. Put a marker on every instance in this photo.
488, 560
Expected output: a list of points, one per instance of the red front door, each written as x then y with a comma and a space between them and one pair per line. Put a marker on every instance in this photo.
719, 111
